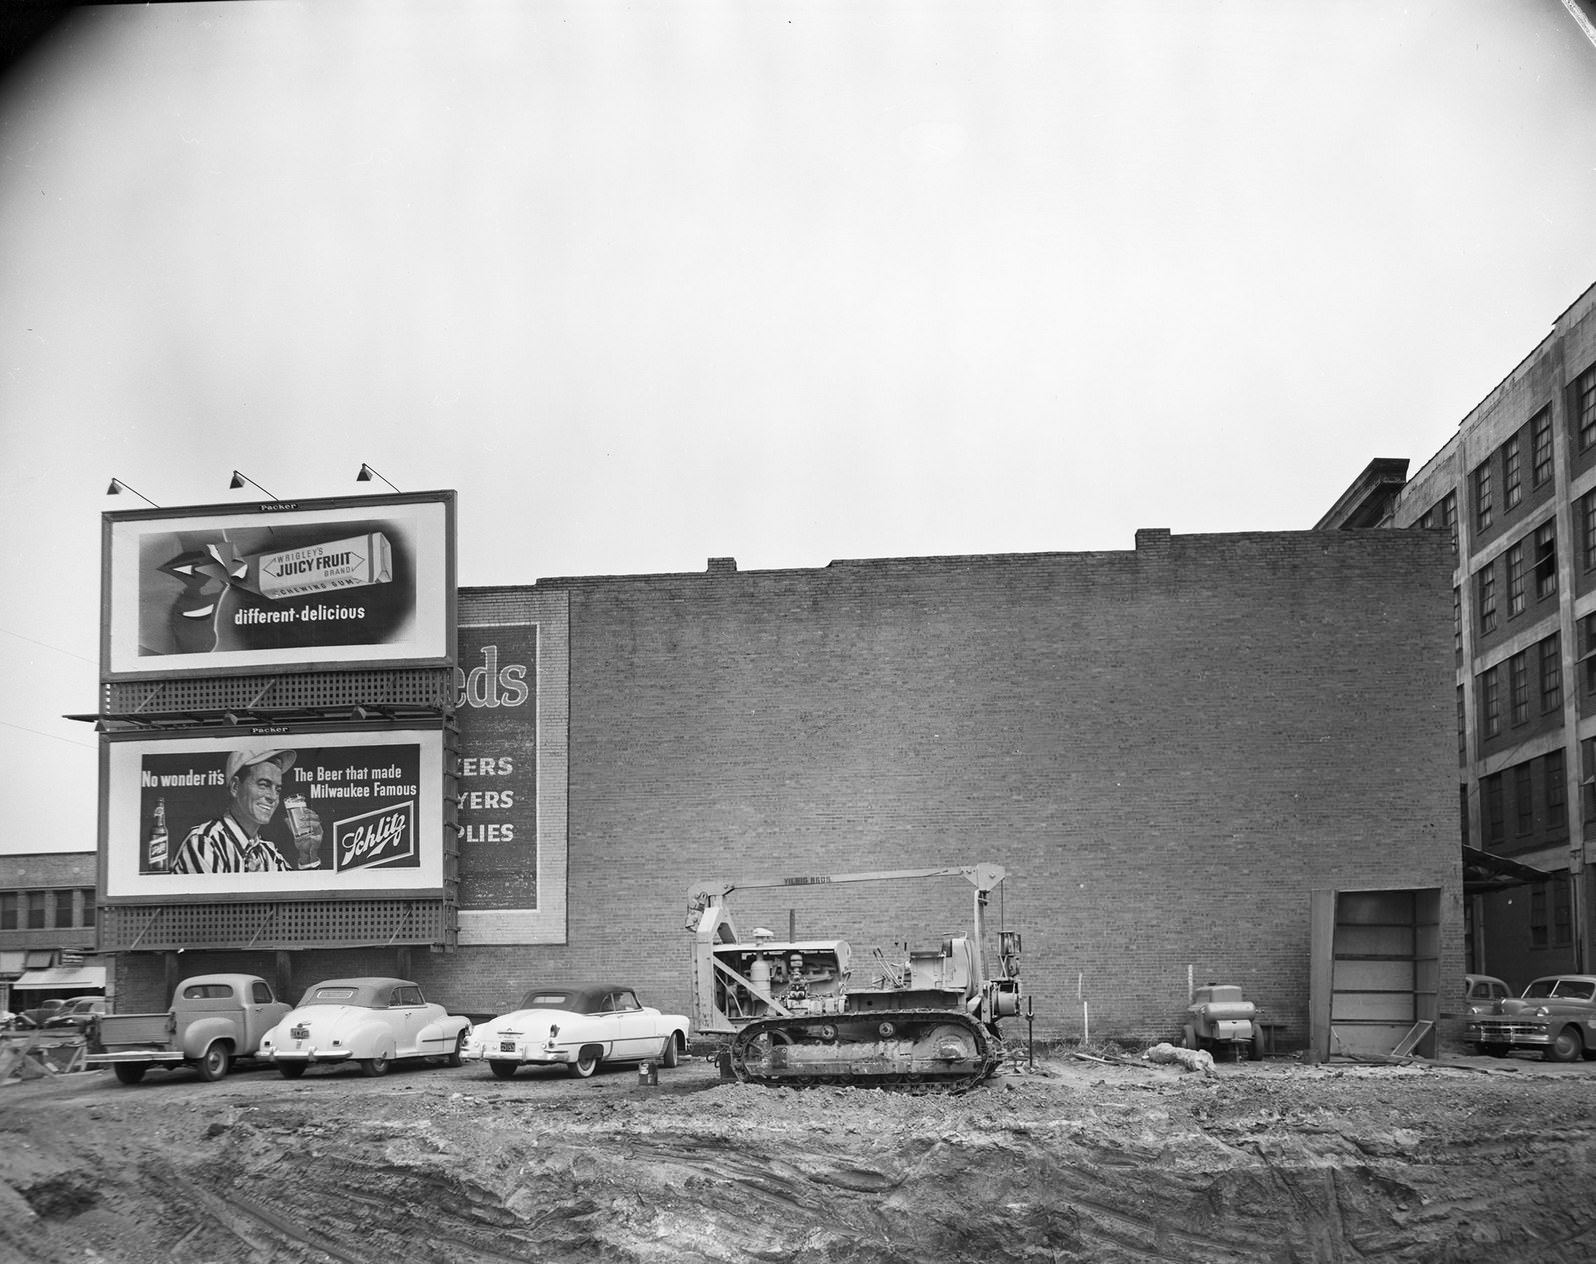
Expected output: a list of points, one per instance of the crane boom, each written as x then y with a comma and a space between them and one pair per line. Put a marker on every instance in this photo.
984, 877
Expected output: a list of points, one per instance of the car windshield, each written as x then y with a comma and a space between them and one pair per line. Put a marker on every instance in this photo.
1575, 989
1541, 987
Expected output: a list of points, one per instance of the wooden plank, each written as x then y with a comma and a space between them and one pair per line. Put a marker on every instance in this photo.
1321, 968
1362, 1039
1389, 908
1354, 940
1373, 1007
1408, 1042
1374, 976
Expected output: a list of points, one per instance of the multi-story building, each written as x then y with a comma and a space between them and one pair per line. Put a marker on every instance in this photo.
47, 916
1515, 489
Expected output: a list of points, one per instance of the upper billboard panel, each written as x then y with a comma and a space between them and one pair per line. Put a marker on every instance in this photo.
283, 586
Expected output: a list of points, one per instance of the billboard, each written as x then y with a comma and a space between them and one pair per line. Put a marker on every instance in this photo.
287, 585
273, 811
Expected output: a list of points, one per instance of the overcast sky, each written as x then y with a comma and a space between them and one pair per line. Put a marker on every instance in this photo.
648, 283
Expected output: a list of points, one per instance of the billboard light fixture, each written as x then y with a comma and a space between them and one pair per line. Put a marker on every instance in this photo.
367, 474
240, 479
117, 487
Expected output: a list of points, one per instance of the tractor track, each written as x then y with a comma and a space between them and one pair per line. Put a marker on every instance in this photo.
1109, 1164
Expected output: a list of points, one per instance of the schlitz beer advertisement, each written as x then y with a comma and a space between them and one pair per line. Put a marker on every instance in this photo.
274, 812
285, 585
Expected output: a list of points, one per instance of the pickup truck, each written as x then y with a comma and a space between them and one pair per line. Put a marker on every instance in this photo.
1556, 1014
214, 1019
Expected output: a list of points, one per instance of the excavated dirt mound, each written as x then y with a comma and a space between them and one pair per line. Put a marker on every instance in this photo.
1072, 1161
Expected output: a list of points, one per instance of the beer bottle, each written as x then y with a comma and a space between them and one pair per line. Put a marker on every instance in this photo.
157, 848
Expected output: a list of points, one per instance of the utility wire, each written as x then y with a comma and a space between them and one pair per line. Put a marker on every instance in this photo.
22, 728
48, 646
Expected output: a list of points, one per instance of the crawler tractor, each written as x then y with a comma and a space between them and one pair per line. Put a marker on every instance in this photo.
795, 1014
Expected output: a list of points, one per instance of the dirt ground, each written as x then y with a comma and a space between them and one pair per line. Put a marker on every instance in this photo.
1069, 1160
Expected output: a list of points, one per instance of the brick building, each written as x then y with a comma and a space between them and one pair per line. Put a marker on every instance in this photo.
1169, 749
1514, 493
47, 929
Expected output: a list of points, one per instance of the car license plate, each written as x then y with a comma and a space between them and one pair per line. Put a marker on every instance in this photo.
300, 1033
506, 1046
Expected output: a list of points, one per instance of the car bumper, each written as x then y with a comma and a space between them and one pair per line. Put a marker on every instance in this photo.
307, 1056
508, 1051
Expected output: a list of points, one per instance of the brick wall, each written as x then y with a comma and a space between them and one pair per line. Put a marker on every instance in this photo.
1167, 749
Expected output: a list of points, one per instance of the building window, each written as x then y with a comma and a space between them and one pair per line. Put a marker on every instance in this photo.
1551, 674
1449, 517
1491, 703
1587, 531
1551, 918
1556, 787
88, 906
1515, 580
1541, 447
1482, 496
1495, 818
1463, 811
1485, 584
1518, 687
1512, 473
1545, 560
1523, 800
1585, 407
63, 908
10, 910
36, 906
1587, 780
1462, 724
1457, 621
1587, 655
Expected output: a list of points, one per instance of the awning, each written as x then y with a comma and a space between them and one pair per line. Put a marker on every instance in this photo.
11, 964
61, 978
1485, 871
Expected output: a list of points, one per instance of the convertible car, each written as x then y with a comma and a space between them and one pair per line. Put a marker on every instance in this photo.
373, 1022
578, 1028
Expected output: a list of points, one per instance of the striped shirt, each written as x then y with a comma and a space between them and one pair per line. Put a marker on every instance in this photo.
221, 846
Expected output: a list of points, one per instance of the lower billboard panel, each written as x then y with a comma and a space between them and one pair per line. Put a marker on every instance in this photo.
257, 814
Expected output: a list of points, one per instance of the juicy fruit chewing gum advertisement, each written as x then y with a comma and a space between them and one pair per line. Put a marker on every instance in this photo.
318, 568
304, 571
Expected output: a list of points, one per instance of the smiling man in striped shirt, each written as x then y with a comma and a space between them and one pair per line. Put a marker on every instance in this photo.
231, 843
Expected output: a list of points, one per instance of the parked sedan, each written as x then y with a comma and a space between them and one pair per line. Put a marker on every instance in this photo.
1556, 1014
578, 1028
76, 1014
371, 1021
1481, 991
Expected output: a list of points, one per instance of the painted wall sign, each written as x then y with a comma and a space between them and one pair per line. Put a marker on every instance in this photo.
495, 693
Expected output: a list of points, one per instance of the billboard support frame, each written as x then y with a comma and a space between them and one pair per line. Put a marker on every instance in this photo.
354, 688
